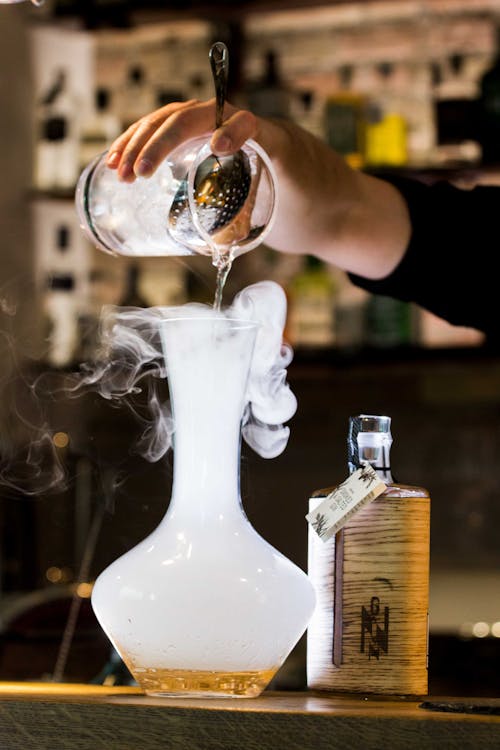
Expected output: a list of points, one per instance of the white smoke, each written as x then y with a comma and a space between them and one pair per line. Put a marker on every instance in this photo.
131, 355
29, 460
270, 402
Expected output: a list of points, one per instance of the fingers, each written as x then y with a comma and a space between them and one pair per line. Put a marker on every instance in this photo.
188, 122
233, 133
123, 152
144, 145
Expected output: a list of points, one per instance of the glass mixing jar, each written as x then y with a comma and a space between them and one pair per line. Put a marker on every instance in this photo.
166, 214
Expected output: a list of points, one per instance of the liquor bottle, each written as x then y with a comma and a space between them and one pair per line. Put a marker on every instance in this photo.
345, 120
136, 98
350, 315
132, 296
389, 322
386, 128
311, 314
369, 632
100, 129
459, 114
61, 310
56, 163
269, 96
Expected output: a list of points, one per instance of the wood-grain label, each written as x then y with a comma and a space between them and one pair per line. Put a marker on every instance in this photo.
369, 632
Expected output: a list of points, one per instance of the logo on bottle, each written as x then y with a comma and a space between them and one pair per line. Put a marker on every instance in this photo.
374, 629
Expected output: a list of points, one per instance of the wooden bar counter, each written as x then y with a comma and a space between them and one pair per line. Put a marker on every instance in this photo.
83, 717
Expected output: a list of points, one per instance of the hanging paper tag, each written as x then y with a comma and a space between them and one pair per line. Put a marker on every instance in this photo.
335, 510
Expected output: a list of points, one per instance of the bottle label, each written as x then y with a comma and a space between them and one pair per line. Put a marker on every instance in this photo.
360, 488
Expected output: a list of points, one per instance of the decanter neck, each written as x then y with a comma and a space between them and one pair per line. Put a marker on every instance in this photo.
206, 458
208, 362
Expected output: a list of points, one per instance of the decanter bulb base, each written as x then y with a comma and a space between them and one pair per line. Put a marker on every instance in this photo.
191, 683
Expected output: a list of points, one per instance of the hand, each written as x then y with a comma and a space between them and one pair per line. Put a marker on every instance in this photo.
144, 145
325, 208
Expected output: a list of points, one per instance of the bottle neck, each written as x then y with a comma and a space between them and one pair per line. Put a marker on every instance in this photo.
373, 448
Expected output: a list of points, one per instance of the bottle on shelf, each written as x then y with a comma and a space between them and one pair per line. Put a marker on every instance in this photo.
61, 309
389, 323
345, 119
132, 296
163, 282
166, 95
458, 115
386, 141
136, 98
311, 306
350, 315
305, 112
369, 632
100, 129
56, 150
269, 95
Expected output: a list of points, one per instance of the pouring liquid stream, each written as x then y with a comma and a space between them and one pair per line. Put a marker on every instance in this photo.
223, 263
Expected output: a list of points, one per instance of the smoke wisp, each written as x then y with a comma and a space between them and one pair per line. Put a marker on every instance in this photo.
130, 361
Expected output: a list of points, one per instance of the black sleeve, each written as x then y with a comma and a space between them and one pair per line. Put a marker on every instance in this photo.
451, 266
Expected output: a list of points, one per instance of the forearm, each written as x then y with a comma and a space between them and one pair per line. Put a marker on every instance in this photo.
451, 264
349, 219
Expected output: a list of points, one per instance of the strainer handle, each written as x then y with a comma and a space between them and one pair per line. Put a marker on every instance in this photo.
219, 59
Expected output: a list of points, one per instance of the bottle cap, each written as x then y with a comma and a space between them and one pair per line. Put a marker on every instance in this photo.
369, 423
362, 424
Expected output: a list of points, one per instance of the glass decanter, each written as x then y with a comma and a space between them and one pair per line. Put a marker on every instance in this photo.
204, 606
